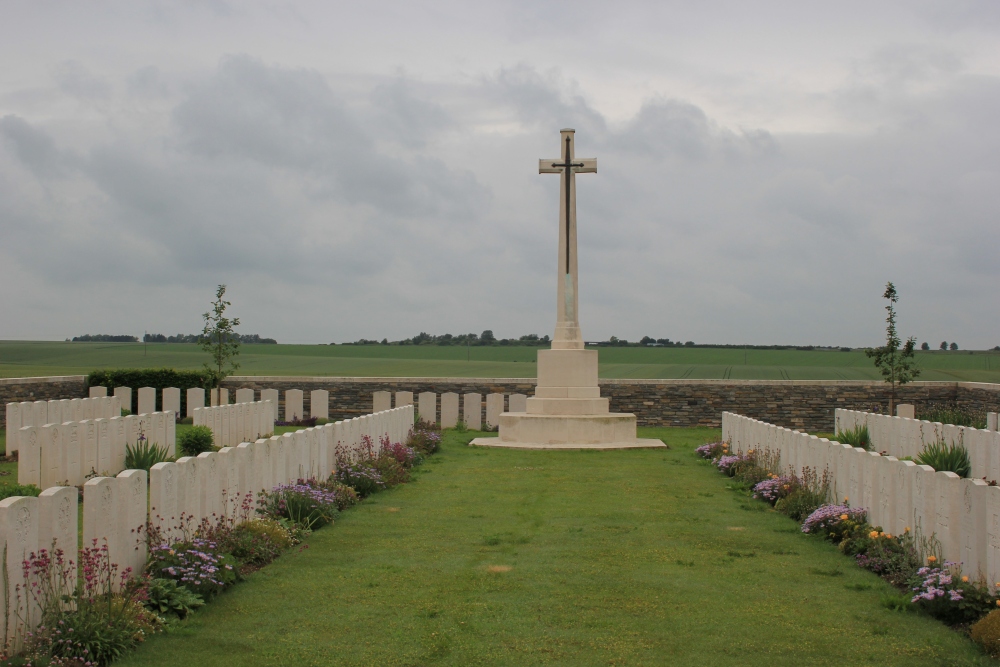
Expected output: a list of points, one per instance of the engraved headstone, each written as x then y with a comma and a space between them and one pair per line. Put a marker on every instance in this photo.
449, 410
494, 407
319, 403
293, 405
147, 400
472, 411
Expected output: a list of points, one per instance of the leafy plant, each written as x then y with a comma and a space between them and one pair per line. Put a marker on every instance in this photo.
407, 456
957, 417
391, 470
344, 495
306, 504
195, 440
166, 596
948, 596
712, 450
897, 366
895, 558
944, 457
15, 489
198, 565
811, 492
93, 620
986, 633
425, 438
257, 542
219, 339
836, 522
856, 437
144, 455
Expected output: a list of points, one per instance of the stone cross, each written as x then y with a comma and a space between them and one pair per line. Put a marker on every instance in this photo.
567, 334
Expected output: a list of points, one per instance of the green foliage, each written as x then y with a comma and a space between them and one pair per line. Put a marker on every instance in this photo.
392, 471
11, 490
257, 542
957, 417
158, 378
944, 458
461, 426
856, 437
986, 633
800, 503
896, 366
144, 455
195, 440
425, 438
894, 558
219, 339
166, 596
345, 495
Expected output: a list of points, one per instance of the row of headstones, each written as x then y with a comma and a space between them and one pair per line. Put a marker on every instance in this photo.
209, 486
240, 422
961, 515
319, 402
40, 413
472, 407
68, 453
900, 436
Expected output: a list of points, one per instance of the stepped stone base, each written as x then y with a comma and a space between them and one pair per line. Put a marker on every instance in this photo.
523, 430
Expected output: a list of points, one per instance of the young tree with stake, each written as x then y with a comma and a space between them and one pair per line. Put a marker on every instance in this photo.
219, 339
897, 366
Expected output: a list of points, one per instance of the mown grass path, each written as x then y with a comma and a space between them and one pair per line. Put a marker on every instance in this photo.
502, 557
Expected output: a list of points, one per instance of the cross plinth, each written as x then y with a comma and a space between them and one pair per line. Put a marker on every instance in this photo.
567, 335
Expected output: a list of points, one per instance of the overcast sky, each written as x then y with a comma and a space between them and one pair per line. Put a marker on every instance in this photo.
369, 169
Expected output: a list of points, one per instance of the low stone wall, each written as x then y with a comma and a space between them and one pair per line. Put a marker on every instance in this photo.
799, 404
18, 390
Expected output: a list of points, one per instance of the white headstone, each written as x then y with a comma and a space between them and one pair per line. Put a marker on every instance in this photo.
427, 407
381, 400
101, 522
125, 395
13, 425
905, 410
147, 400
319, 403
494, 406
172, 400
991, 421
517, 403
116, 426
58, 520
30, 456
132, 503
271, 395
104, 466
472, 411
98, 392
244, 395
89, 449
163, 511
53, 413
195, 399
18, 538
404, 398
293, 405
449, 410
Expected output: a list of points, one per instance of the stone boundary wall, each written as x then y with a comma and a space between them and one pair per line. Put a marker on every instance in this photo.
898, 495
800, 404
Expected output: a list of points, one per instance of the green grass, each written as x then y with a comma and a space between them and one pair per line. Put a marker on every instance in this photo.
26, 359
504, 557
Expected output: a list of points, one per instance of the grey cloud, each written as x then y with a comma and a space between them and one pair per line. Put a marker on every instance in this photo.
147, 81
76, 79
410, 120
33, 147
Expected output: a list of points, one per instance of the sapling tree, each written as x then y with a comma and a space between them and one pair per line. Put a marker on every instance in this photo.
219, 339
897, 366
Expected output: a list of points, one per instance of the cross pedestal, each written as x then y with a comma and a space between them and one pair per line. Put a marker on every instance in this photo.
567, 411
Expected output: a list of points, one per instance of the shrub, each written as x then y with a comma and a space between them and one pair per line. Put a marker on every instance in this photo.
727, 463
944, 457
11, 490
93, 620
712, 450
947, 596
986, 633
956, 417
407, 456
894, 558
425, 438
166, 596
391, 470
811, 491
344, 495
257, 542
144, 455
835, 522
363, 477
305, 504
775, 487
158, 378
198, 565
195, 440
856, 437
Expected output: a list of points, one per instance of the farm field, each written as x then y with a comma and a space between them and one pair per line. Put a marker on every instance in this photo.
30, 359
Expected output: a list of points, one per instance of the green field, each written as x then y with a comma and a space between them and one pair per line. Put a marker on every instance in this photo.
29, 359
506, 557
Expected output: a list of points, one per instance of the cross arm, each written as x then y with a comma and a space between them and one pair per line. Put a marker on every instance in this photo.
580, 166
589, 165
545, 166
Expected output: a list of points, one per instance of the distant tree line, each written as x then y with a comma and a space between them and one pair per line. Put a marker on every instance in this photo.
471, 339
104, 338
249, 339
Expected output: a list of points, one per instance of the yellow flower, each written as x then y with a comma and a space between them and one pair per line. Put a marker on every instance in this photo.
873, 534
888, 536
931, 559
845, 500
906, 530
843, 517
881, 534
998, 603
965, 579
786, 487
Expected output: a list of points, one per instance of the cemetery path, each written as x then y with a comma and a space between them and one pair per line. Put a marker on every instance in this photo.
507, 557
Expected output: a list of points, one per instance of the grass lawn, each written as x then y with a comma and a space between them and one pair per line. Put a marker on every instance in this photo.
25, 359
505, 557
